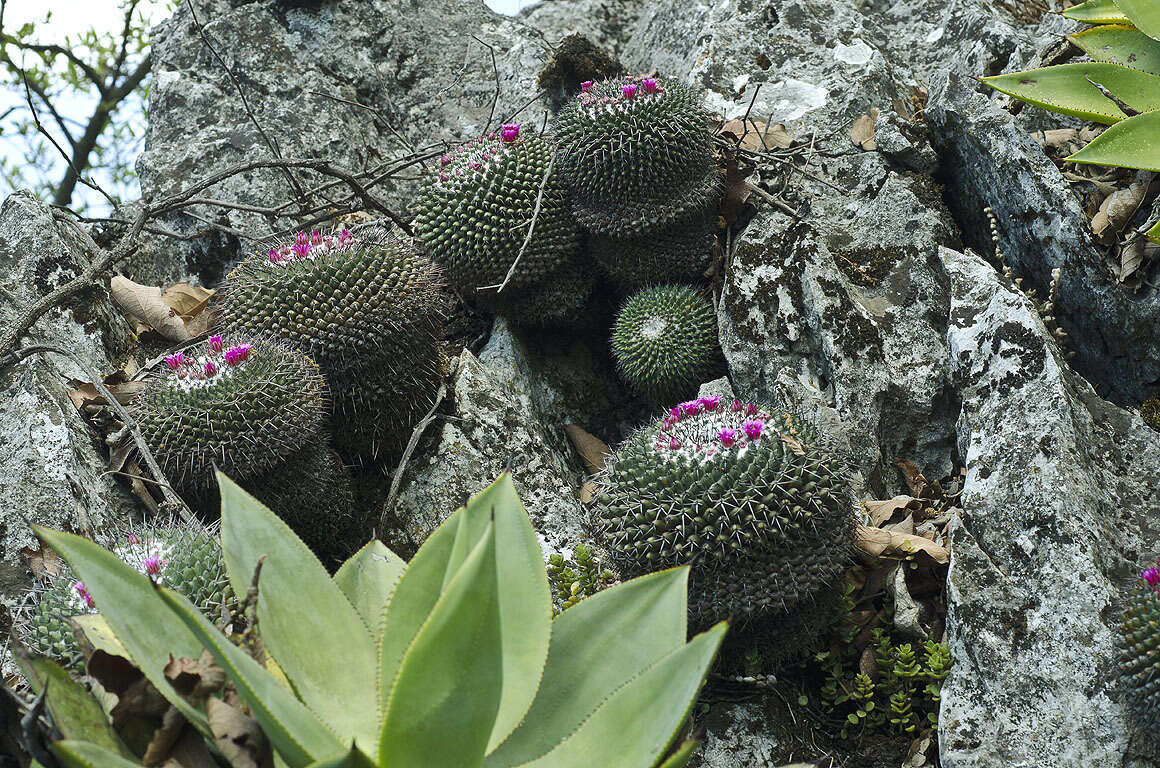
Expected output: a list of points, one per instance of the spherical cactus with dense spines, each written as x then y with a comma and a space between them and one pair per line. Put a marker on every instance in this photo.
1139, 658
636, 154
750, 497
475, 211
186, 557
241, 403
678, 253
665, 342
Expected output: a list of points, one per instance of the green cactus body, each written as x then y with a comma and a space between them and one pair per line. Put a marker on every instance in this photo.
242, 405
182, 556
1140, 655
636, 154
677, 253
473, 218
665, 342
757, 505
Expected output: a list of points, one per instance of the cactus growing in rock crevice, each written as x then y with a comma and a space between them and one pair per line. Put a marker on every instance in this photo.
750, 497
474, 215
665, 342
636, 154
1139, 655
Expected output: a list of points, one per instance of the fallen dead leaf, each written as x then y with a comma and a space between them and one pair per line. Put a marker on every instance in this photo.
588, 491
795, 445
593, 451
144, 304
736, 189
195, 678
877, 543
1118, 208
85, 393
1134, 253
884, 511
862, 133
185, 299
1056, 137
236, 734
915, 480
43, 562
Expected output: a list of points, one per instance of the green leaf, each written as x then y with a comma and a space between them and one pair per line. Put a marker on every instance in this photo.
656, 703
292, 729
1064, 89
352, 758
134, 611
444, 702
83, 754
597, 646
1096, 11
681, 757
1120, 44
74, 710
368, 578
1153, 234
1131, 143
308, 625
1145, 14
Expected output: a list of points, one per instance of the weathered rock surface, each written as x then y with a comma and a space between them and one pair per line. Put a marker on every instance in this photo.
51, 463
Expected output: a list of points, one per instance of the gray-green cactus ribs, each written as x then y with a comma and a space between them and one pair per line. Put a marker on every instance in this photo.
1139, 655
679, 253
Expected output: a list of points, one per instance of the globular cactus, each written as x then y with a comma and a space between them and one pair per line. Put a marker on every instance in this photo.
665, 342
1139, 657
636, 154
677, 253
186, 557
750, 497
473, 218
242, 403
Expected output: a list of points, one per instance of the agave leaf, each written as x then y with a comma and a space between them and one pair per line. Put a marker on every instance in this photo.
1131, 143
444, 702
1145, 14
292, 729
1096, 11
74, 710
1153, 234
132, 608
1064, 89
308, 625
598, 645
352, 758
84, 754
1120, 44
655, 703
681, 757
368, 578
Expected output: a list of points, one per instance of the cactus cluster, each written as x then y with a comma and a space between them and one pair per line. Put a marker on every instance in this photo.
184, 557
678, 253
665, 342
1140, 654
474, 216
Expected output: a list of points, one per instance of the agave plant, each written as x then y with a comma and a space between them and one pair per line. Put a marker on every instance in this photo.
451, 660
1120, 86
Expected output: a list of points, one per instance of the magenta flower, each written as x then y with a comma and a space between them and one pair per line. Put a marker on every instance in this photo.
84, 593
674, 443
345, 237
586, 86
689, 407
152, 565
175, 361
629, 91
675, 412
274, 256
210, 370
1151, 575
736, 406
133, 539
444, 177
728, 437
753, 428
215, 343
710, 403
510, 132
475, 165
649, 84
301, 238
444, 160
750, 409
236, 354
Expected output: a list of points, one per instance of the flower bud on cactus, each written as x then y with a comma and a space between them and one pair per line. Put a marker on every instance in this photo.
678, 253
636, 154
474, 214
182, 556
1139, 645
665, 342
243, 408
748, 496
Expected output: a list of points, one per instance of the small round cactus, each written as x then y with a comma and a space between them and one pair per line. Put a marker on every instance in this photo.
182, 556
677, 253
474, 214
665, 342
242, 403
636, 154
1139, 661
748, 496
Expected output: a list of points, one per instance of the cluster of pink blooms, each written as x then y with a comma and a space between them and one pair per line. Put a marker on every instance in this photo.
477, 153
628, 91
750, 429
188, 368
84, 594
313, 244
152, 565
1151, 575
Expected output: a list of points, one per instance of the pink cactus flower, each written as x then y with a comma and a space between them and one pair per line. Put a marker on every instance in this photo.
444, 177
175, 361
345, 237
629, 91
736, 406
728, 437
133, 540
210, 370
753, 428
674, 443
152, 565
649, 84
709, 403
675, 412
510, 132
750, 409
237, 354
215, 343
586, 86
274, 256
475, 165
84, 593
444, 160
1151, 575
689, 408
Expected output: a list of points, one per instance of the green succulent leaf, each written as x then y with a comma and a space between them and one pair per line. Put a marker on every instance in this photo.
1096, 11
1064, 89
368, 578
74, 710
445, 700
1120, 44
353, 758
301, 609
1145, 14
134, 611
598, 645
84, 754
682, 756
1131, 143
292, 729
1153, 234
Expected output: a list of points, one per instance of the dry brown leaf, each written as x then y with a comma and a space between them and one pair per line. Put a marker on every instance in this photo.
594, 451
877, 543
137, 486
862, 134
755, 135
1056, 137
185, 299
144, 304
883, 511
736, 189
791, 442
588, 491
85, 393
195, 678
915, 480
236, 734
904, 526
777, 136
1118, 208
43, 562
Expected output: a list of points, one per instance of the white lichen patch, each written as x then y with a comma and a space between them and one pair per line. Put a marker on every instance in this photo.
856, 54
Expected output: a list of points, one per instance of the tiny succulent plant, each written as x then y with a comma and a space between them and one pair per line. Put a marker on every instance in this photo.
186, 557
474, 215
665, 342
1120, 86
1140, 654
747, 495
636, 154
452, 660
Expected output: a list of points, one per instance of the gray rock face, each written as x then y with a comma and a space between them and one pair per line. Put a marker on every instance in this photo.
51, 463
1061, 500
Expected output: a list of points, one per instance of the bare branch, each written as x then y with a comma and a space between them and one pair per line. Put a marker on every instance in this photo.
495, 71
531, 227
